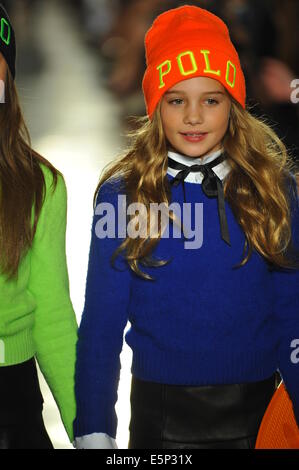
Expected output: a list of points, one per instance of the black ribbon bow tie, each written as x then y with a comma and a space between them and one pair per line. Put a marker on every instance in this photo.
211, 186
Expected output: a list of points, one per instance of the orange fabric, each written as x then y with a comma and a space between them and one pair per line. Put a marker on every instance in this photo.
187, 42
278, 429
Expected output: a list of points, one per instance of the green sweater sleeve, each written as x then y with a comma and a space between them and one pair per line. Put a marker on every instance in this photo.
55, 327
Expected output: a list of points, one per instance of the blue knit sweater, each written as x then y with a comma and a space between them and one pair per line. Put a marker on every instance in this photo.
200, 321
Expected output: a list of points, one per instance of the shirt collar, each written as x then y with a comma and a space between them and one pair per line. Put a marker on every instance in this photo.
221, 170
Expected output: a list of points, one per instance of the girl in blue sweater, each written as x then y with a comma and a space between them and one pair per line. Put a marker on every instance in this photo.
211, 286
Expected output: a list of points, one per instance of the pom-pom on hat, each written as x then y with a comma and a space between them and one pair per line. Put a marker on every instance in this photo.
7, 41
189, 42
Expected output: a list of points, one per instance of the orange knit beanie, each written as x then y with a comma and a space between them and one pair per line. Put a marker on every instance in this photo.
189, 42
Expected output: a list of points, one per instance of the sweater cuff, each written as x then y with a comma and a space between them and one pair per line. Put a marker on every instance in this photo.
96, 440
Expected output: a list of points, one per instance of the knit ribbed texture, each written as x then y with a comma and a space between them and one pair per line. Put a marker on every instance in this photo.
200, 322
188, 42
36, 313
17, 348
278, 430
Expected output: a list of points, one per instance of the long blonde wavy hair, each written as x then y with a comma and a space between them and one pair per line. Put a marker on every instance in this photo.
257, 187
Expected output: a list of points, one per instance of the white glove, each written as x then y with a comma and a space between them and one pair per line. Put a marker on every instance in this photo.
96, 440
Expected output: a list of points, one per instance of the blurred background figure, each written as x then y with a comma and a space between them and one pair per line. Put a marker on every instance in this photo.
80, 78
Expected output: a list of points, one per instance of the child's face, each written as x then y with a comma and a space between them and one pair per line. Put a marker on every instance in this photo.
197, 105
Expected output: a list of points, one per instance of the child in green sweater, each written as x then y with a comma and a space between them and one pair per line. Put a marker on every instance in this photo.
37, 320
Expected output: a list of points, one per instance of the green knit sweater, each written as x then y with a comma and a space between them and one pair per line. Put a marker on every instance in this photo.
36, 313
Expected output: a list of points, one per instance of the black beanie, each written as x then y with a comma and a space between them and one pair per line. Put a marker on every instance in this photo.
7, 41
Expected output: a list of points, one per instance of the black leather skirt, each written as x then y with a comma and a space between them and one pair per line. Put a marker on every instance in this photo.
191, 417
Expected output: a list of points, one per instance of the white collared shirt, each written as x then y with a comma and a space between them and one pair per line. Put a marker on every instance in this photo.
221, 170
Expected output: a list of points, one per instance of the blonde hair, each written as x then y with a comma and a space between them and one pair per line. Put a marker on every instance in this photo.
256, 187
